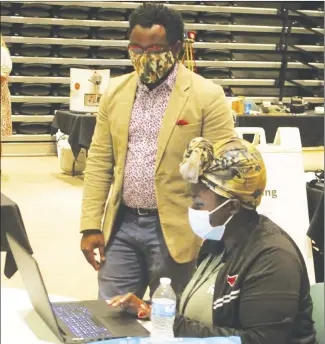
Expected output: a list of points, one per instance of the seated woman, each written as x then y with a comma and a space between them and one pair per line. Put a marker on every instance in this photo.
251, 280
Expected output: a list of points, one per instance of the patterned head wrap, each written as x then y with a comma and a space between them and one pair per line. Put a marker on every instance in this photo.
232, 168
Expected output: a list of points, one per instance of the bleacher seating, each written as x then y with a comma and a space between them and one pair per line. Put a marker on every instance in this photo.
28, 30
236, 47
37, 10
74, 12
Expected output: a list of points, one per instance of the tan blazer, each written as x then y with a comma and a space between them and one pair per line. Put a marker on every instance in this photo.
198, 101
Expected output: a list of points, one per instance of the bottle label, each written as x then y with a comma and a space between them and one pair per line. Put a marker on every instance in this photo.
163, 310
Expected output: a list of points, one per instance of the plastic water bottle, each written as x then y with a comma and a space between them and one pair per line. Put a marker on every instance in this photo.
163, 311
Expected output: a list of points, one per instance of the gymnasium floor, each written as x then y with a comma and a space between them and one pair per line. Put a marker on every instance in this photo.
49, 202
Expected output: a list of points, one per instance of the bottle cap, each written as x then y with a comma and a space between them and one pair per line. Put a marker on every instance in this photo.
165, 280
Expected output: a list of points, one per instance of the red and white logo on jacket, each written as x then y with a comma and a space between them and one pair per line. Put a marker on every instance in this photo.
233, 295
231, 280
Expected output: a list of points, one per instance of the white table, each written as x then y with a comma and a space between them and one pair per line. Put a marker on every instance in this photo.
20, 324
19, 321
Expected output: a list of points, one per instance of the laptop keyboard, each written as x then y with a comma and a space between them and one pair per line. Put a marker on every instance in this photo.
79, 321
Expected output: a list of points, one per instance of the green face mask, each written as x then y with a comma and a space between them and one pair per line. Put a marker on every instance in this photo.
152, 67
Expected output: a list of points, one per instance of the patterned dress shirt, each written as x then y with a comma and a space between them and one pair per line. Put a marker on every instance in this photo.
147, 114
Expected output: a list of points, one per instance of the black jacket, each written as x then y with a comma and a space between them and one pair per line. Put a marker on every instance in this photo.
261, 293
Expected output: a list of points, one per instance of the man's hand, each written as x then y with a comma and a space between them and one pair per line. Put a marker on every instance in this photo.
89, 242
131, 303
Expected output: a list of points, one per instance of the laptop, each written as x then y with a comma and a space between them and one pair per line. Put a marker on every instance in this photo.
73, 322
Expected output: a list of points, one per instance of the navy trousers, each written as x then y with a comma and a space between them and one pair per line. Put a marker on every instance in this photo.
137, 257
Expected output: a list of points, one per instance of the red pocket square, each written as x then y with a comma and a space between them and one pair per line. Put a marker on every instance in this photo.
182, 122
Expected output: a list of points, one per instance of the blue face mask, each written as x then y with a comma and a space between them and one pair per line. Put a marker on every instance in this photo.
200, 223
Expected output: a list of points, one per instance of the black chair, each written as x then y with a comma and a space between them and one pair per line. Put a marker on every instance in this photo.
244, 19
80, 32
6, 29
34, 89
268, 4
320, 92
215, 73
33, 69
263, 91
310, 40
74, 12
13, 48
270, 56
15, 69
261, 4
15, 109
189, 16
14, 128
12, 88
6, 8
64, 70
228, 91
33, 128
111, 14
34, 50
216, 3
262, 38
215, 18
10, 46
214, 55
110, 33
63, 107
313, 5
162, 2
77, 51
120, 70
266, 73
109, 53
31, 30
35, 109
35, 10
62, 90
180, 3
214, 36
317, 21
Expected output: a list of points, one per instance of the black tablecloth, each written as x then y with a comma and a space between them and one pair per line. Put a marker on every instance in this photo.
315, 195
12, 222
79, 127
311, 126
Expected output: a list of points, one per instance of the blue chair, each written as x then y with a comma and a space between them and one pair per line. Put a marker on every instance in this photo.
317, 295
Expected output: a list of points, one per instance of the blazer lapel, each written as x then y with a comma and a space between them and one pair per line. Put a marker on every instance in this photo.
177, 101
124, 111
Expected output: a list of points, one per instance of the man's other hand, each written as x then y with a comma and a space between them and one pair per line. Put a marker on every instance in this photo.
90, 241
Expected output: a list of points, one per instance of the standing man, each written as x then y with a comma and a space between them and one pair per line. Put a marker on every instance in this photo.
145, 122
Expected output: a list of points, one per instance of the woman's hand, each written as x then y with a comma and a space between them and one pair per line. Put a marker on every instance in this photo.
132, 303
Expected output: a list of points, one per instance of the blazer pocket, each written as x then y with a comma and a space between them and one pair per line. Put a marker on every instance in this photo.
189, 127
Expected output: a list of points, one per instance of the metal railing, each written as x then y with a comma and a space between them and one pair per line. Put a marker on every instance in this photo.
125, 24
302, 29
284, 46
124, 43
222, 82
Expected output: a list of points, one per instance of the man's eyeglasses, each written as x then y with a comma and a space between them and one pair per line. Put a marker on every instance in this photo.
153, 49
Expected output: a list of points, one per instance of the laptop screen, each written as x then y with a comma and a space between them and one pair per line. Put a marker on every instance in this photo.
34, 284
